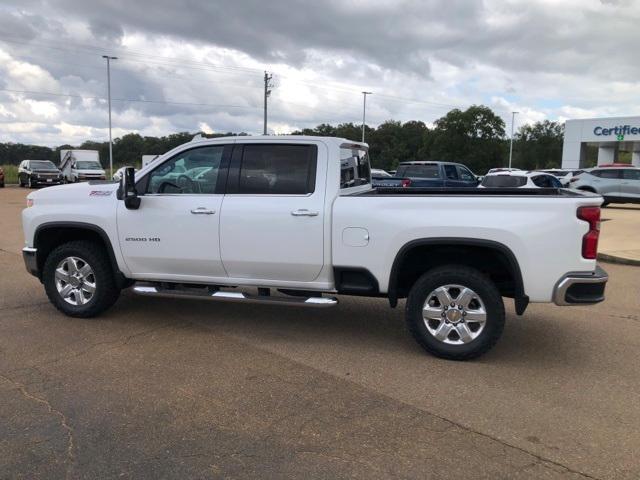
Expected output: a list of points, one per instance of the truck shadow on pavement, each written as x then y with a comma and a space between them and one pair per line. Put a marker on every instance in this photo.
369, 324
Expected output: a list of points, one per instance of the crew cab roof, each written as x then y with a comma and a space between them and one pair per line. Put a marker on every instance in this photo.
271, 138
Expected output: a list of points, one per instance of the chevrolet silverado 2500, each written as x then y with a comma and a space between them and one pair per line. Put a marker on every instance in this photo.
294, 220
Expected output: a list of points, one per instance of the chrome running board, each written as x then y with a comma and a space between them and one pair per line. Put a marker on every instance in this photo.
154, 291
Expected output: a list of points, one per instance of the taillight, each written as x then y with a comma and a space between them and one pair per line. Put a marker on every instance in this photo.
590, 239
406, 182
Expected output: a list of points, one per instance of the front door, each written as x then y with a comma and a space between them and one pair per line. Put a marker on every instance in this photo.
272, 224
174, 235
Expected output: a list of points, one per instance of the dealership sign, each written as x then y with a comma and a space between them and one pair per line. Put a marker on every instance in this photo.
619, 131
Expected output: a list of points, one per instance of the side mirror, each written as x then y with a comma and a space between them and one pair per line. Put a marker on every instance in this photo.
127, 190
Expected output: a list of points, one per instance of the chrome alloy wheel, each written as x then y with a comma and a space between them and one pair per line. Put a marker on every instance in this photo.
75, 281
454, 314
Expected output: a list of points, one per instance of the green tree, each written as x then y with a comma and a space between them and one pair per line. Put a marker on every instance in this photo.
474, 137
538, 145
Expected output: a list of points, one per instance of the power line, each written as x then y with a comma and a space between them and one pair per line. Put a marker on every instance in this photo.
93, 50
130, 100
159, 60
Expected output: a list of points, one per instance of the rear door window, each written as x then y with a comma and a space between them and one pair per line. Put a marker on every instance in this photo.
631, 174
278, 169
451, 172
607, 173
546, 181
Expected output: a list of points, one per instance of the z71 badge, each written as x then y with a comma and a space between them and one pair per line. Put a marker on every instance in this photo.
100, 193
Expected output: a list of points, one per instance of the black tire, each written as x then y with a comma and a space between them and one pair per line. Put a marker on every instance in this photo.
31, 183
106, 292
486, 292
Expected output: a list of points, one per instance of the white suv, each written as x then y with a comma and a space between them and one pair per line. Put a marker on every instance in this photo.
519, 179
615, 184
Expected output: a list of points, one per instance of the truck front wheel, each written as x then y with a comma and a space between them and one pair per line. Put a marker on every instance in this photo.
79, 280
455, 312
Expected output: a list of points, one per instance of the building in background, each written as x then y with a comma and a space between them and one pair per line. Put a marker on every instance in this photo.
610, 135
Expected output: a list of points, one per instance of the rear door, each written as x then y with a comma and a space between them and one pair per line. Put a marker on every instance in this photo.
608, 181
630, 185
272, 222
451, 176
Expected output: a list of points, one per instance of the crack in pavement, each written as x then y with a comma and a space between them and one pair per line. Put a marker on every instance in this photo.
63, 419
9, 252
124, 341
117, 342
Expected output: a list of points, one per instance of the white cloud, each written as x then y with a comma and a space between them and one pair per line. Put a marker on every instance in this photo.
543, 58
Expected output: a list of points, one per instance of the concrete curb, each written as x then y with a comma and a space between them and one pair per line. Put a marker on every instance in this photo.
605, 257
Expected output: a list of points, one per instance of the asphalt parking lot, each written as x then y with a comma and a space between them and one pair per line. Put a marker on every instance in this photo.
160, 388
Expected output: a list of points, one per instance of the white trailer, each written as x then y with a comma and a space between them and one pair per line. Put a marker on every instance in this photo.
81, 165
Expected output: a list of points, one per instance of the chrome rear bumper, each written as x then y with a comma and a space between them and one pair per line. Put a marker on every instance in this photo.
581, 288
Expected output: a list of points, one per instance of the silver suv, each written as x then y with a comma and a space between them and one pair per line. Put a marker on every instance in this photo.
615, 184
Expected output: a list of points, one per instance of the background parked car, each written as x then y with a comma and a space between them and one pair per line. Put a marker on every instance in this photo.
520, 179
504, 169
435, 174
32, 173
615, 184
1, 177
564, 175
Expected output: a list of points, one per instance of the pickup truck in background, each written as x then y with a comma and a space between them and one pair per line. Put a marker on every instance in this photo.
429, 175
294, 220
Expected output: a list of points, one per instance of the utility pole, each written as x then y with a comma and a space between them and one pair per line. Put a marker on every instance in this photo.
364, 110
513, 119
109, 96
267, 91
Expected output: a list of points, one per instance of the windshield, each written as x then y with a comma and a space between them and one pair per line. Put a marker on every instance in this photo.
88, 165
493, 181
42, 164
418, 171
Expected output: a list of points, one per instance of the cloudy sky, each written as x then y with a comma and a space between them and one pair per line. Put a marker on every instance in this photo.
198, 64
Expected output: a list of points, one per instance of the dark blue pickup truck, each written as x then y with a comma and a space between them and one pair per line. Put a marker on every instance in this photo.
429, 174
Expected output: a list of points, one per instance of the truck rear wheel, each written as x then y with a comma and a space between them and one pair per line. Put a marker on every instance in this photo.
79, 280
455, 312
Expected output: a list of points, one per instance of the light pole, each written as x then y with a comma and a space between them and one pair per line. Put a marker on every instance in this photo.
513, 119
109, 97
364, 110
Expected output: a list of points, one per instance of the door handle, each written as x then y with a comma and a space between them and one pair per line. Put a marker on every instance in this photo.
202, 211
303, 212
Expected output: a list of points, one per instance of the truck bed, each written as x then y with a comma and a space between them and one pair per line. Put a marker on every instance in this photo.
483, 192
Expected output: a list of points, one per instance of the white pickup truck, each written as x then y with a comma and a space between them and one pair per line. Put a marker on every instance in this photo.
294, 220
